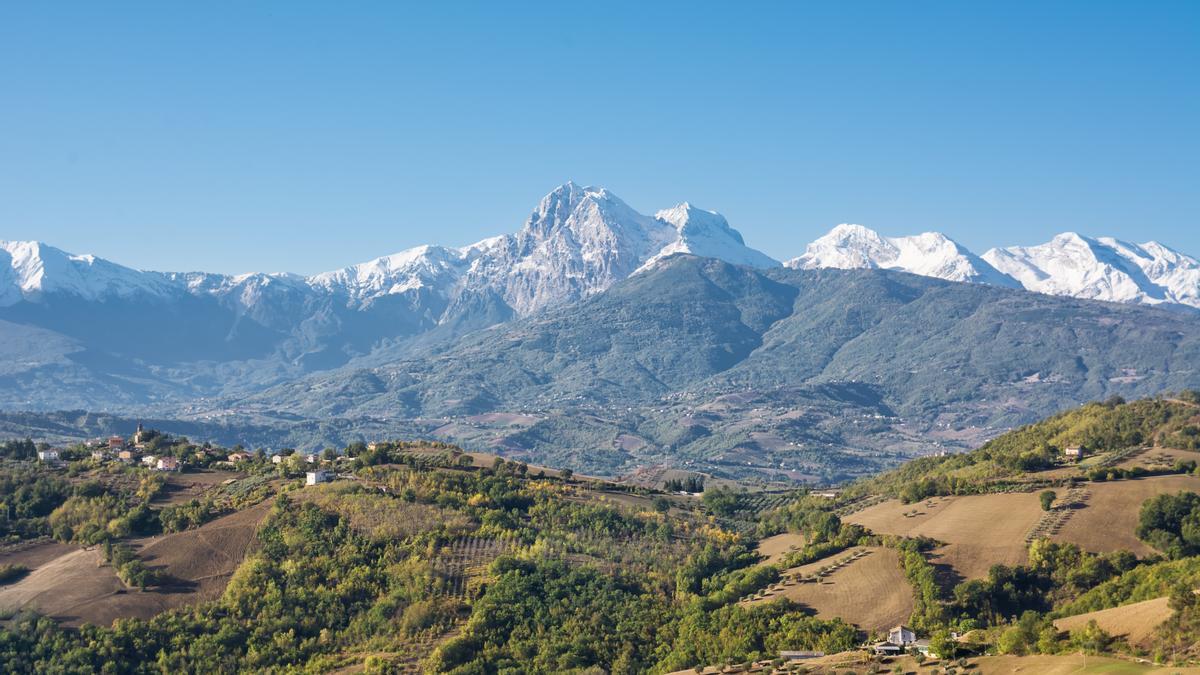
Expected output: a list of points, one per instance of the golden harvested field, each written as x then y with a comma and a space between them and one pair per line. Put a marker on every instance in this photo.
870, 592
774, 548
77, 587
978, 530
1136, 621
1108, 519
1159, 457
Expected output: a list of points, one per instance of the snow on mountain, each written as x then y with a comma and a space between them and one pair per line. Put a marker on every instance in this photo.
707, 234
1102, 269
435, 267
930, 254
35, 269
578, 241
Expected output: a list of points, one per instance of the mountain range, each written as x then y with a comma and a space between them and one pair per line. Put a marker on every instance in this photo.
1069, 264
580, 240
645, 339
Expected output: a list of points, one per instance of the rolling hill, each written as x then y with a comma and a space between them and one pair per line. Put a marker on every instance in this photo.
418, 558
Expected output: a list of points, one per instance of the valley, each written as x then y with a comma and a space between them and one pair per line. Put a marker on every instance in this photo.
811, 376
607, 340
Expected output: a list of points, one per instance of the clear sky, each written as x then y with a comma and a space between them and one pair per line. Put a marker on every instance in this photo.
306, 136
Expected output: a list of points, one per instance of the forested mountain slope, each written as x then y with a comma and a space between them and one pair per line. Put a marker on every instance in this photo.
738, 358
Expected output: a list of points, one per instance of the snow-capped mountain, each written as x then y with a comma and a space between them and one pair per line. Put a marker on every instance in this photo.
707, 234
1102, 269
930, 254
30, 269
140, 335
578, 241
119, 335
1069, 264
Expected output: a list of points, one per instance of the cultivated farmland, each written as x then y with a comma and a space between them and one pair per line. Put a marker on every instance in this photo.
978, 530
1135, 621
77, 587
870, 590
1107, 521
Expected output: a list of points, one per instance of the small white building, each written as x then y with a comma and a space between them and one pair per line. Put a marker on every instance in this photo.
899, 640
50, 455
1074, 452
150, 461
318, 476
902, 635
312, 458
167, 464
276, 459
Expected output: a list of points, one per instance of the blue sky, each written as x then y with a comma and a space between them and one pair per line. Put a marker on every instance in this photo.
306, 136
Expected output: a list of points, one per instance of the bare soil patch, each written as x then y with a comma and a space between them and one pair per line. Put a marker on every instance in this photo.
77, 587
34, 554
68, 588
208, 554
184, 487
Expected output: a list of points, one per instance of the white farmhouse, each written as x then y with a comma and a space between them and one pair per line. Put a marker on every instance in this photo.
318, 476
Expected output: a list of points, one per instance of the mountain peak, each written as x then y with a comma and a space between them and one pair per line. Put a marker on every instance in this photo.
707, 234
35, 269
843, 230
1102, 269
931, 254
684, 216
